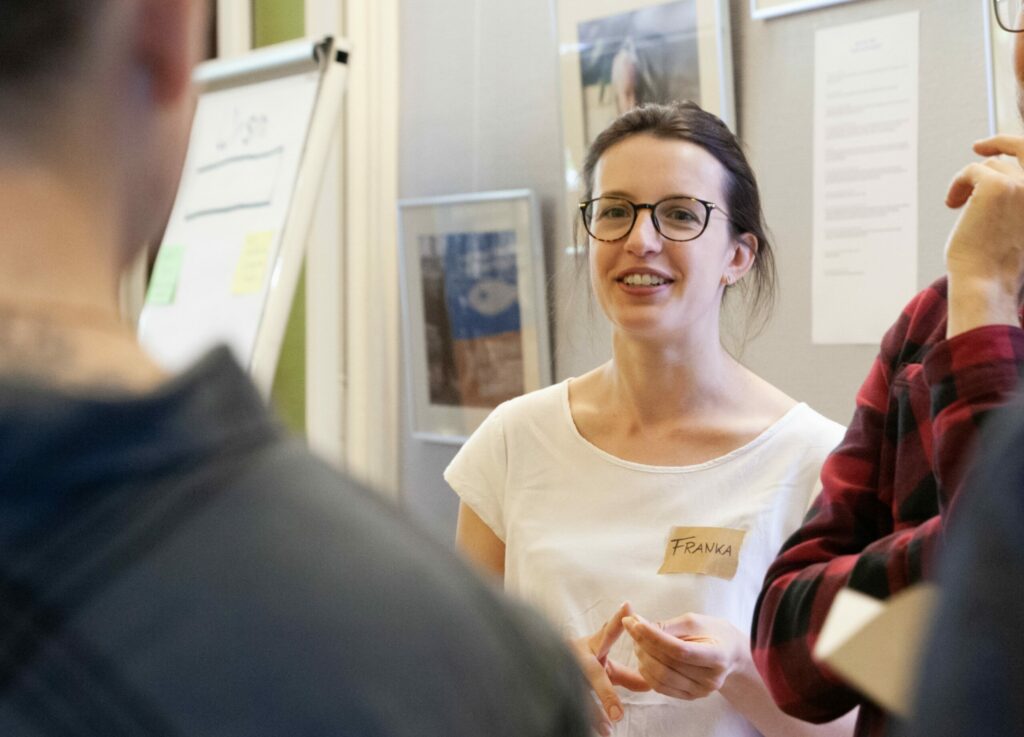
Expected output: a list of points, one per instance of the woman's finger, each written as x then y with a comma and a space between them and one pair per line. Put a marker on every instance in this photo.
629, 678
964, 184
673, 650
670, 682
601, 642
1002, 145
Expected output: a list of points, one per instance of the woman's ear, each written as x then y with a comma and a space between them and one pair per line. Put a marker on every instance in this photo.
743, 255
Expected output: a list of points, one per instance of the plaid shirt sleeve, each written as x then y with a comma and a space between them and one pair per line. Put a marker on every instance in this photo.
877, 523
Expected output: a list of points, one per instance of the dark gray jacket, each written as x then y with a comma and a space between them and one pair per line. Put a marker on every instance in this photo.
174, 565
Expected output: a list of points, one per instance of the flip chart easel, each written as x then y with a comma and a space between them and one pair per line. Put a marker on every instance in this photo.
230, 259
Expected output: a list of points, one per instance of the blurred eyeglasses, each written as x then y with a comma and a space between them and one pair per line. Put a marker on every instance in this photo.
1008, 14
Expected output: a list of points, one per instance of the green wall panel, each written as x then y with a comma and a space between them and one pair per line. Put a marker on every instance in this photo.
274, 21
288, 394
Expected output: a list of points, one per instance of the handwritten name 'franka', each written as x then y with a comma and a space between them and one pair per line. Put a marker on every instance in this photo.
688, 546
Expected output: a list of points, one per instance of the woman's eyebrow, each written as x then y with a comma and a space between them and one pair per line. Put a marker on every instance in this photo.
625, 195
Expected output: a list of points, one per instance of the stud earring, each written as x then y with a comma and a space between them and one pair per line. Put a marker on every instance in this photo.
727, 279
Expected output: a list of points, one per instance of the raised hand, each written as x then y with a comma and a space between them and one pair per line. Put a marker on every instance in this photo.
985, 251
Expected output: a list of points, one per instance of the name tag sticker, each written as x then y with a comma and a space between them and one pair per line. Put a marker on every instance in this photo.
710, 551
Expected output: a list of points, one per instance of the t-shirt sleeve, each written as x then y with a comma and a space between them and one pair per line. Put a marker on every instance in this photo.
827, 439
479, 472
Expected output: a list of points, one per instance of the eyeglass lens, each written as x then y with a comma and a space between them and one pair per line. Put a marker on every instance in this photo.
679, 218
1008, 12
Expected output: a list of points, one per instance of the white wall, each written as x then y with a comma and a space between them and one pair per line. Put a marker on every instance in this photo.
479, 111
774, 78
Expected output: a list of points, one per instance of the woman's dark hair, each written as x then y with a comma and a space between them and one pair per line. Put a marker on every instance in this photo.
686, 121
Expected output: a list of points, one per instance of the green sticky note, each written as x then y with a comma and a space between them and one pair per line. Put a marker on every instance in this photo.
166, 271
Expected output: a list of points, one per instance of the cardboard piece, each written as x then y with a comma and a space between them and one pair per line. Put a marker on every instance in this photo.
876, 645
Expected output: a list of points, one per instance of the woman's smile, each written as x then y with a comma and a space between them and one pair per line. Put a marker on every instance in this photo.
644, 281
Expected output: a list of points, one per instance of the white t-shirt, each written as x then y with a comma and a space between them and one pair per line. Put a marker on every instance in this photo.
585, 531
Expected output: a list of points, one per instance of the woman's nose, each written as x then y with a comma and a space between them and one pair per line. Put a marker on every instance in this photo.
644, 238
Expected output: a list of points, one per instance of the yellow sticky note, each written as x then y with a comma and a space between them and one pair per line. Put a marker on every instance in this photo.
163, 283
252, 264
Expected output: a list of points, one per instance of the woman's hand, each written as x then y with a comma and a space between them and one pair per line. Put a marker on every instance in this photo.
603, 673
688, 657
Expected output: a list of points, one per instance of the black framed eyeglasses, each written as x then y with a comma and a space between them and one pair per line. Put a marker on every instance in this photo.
1008, 15
676, 218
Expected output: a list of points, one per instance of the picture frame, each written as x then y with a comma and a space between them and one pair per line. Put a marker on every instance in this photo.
1003, 113
474, 307
764, 9
618, 53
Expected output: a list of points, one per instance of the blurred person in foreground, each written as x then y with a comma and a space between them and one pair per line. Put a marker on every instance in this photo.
170, 562
897, 478
972, 674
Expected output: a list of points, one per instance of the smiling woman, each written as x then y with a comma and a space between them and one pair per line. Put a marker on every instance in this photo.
688, 123
579, 494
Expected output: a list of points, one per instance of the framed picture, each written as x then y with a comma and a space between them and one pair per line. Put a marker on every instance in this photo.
616, 54
774, 8
1003, 113
474, 308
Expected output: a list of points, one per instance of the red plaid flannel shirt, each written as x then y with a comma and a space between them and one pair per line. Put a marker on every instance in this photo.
887, 490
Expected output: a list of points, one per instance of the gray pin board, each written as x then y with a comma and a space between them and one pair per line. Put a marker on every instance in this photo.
230, 259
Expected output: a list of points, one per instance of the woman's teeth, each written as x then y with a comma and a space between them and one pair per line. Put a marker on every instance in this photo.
643, 280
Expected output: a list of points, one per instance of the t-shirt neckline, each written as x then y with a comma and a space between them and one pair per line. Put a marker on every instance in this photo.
747, 447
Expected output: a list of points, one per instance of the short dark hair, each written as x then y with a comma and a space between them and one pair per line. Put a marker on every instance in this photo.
37, 35
38, 43
687, 121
